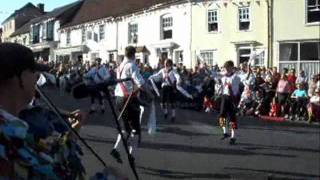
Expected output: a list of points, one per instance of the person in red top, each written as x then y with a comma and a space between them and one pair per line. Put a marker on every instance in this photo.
292, 80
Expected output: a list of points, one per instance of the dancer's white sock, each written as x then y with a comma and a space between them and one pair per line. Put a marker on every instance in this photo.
133, 143
117, 142
173, 111
232, 133
165, 110
224, 130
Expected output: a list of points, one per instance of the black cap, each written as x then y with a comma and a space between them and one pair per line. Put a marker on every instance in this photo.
15, 58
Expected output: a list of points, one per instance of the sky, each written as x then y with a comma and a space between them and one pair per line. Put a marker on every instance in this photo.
7, 7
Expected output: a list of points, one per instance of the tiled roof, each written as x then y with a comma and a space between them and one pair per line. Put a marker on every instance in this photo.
97, 9
58, 12
22, 30
21, 11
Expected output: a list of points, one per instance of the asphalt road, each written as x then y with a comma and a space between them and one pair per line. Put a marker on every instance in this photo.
191, 147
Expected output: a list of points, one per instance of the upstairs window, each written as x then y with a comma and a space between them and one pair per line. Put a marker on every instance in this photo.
68, 40
101, 32
50, 26
313, 11
244, 18
133, 33
212, 21
166, 25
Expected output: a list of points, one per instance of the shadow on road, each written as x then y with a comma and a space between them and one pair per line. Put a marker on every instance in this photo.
275, 172
181, 175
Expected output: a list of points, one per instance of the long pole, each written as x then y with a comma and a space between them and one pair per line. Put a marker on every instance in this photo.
73, 131
124, 140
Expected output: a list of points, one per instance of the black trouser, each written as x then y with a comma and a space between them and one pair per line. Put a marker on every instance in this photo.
95, 94
168, 96
228, 109
131, 114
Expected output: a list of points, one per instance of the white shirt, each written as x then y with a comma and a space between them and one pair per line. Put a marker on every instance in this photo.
128, 69
169, 78
97, 75
230, 83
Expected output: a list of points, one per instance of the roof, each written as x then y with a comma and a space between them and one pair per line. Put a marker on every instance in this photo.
97, 9
25, 7
58, 12
22, 30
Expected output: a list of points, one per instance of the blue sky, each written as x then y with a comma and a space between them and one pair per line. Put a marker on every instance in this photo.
9, 6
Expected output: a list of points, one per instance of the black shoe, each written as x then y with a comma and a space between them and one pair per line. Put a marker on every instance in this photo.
173, 119
91, 111
131, 158
165, 116
232, 141
115, 154
102, 111
225, 136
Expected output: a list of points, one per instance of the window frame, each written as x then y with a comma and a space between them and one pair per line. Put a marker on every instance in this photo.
306, 14
166, 26
68, 37
132, 34
213, 51
102, 31
214, 21
248, 19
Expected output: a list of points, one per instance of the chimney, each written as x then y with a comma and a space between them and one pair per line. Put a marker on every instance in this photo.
41, 7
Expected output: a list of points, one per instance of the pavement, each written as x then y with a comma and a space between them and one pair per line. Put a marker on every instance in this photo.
191, 148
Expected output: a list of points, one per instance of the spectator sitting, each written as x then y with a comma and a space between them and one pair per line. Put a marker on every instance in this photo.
299, 103
275, 108
314, 107
246, 100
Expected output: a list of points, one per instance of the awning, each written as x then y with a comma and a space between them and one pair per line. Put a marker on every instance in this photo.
37, 50
165, 45
253, 43
73, 49
142, 49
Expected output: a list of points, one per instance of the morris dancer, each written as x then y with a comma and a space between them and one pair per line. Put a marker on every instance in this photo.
170, 83
230, 93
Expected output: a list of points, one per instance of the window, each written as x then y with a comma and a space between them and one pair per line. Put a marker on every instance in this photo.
212, 20
244, 18
313, 11
309, 51
35, 34
25, 41
166, 24
83, 35
68, 37
178, 56
259, 58
244, 55
289, 52
44, 31
50, 25
133, 33
207, 57
89, 35
95, 37
101, 32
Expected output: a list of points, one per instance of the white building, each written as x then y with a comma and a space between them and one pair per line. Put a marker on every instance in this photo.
161, 29
44, 35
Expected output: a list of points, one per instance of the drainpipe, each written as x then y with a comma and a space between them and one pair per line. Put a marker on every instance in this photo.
270, 32
117, 38
191, 57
